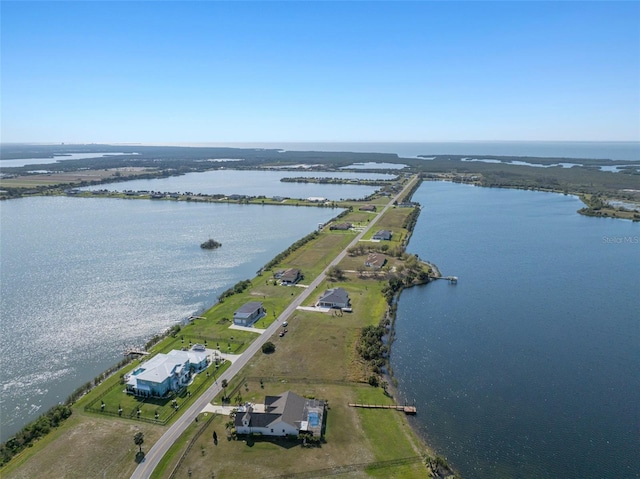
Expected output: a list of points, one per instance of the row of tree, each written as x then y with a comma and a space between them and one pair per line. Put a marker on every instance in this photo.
33, 431
238, 288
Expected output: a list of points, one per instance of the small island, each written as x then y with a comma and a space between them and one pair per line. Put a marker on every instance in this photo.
210, 244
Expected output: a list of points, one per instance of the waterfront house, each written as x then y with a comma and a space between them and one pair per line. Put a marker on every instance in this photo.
290, 276
284, 415
236, 197
368, 208
248, 314
341, 226
382, 235
375, 260
165, 373
334, 298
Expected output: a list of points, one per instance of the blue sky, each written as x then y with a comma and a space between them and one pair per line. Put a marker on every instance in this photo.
319, 71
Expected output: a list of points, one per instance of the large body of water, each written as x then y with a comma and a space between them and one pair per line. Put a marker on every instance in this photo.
254, 183
56, 159
530, 365
83, 278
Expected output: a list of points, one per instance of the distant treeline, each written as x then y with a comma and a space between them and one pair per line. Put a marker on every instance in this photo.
166, 161
336, 181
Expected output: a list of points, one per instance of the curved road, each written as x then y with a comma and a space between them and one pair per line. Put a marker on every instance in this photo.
160, 448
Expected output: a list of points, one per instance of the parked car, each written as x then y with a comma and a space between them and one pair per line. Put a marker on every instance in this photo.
285, 324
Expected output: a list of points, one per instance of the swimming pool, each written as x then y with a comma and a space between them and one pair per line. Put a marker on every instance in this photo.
314, 419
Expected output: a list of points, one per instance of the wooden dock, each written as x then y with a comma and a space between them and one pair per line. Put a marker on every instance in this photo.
451, 279
397, 407
135, 352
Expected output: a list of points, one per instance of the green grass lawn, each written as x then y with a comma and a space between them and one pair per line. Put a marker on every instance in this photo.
369, 441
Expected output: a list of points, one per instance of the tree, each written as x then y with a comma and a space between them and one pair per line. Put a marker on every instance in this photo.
224, 386
139, 440
335, 273
210, 244
268, 347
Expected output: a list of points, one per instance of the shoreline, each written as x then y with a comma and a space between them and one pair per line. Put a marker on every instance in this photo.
186, 320
168, 331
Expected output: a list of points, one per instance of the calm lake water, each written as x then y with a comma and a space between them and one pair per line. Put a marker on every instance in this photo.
529, 367
254, 183
56, 159
83, 278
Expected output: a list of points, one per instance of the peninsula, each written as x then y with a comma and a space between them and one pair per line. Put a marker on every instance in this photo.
328, 366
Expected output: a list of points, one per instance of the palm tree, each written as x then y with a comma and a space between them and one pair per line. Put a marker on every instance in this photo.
139, 440
224, 386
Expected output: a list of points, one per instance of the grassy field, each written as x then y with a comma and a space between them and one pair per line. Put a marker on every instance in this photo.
70, 178
356, 440
317, 357
86, 446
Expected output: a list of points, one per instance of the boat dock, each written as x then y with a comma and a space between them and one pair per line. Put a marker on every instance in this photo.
406, 409
135, 352
451, 279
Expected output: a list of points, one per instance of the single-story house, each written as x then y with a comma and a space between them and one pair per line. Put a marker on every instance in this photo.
368, 208
334, 298
375, 260
290, 276
341, 226
316, 199
165, 372
287, 414
382, 235
248, 314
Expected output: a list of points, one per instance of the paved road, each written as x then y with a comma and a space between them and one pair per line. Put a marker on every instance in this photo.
160, 448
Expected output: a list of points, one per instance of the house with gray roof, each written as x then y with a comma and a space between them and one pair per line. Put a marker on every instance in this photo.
334, 298
284, 415
340, 226
382, 235
248, 314
290, 276
368, 208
